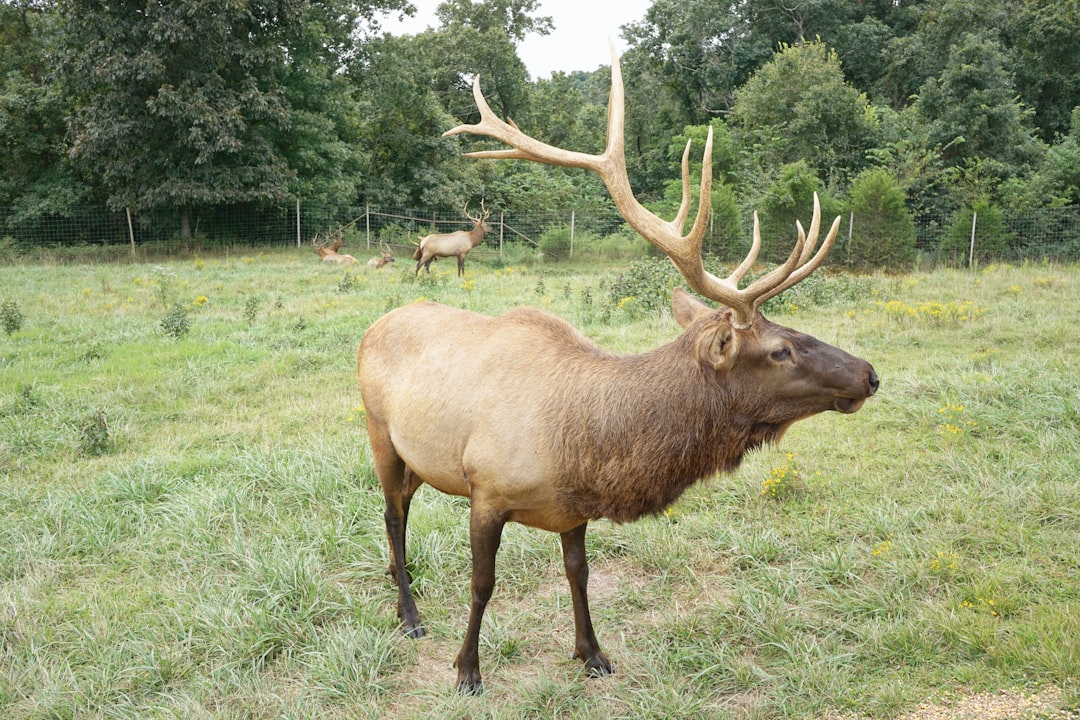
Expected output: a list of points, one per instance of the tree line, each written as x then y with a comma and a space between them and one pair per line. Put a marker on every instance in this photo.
894, 109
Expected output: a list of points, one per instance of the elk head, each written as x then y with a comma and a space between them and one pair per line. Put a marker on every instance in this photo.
479, 221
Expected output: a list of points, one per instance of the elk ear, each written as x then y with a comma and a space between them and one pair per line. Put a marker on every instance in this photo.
687, 308
723, 344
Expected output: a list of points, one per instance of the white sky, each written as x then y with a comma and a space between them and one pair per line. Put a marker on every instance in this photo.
578, 42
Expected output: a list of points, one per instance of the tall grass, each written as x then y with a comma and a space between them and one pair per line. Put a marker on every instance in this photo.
190, 526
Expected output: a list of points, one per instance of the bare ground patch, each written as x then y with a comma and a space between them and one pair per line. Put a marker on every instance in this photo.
1044, 704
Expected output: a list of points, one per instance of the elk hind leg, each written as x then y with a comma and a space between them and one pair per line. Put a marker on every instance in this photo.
576, 563
398, 484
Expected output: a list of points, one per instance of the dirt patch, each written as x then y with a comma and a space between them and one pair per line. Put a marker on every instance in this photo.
1045, 704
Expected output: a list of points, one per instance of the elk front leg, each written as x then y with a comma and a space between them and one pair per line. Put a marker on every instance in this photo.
577, 572
485, 534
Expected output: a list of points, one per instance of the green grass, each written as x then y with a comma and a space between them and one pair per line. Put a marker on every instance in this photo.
190, 526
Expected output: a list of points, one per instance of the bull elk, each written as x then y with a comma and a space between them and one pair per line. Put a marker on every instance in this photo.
537, 424
331, 254
386, 256
455, 244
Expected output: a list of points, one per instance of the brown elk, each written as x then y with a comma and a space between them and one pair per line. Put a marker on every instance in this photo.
455, 244
331, 254
536, 424
386, 256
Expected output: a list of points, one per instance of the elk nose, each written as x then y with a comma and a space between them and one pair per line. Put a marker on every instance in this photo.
874, 381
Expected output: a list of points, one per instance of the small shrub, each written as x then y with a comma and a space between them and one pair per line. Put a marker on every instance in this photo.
251, 309
820, 289
11, 317
424, 279
177, 322
784, 481
883, 233
94, 433
992, 237
649, 282
556, 243
164, 280
347, 283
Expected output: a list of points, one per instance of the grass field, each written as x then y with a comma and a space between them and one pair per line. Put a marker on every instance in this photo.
190, 526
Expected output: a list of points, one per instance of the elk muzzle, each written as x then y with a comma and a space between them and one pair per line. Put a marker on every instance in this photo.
852, 404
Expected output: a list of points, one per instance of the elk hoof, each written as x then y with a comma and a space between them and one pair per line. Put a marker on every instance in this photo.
598, 666
470, 685
413, 632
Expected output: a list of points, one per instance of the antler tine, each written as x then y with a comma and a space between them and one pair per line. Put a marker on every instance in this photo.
806, 268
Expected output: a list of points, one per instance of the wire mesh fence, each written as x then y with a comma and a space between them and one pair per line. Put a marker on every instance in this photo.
1045, 233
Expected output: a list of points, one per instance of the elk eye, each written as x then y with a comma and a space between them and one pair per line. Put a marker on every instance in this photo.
781, 354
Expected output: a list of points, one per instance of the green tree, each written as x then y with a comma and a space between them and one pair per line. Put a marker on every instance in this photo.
1060, 178
513, 17
702, 51
786, 200
992, 237
883, 231
971, 110
1046, 48
35, 176
798, 106
481, 38
193, 102
406, 160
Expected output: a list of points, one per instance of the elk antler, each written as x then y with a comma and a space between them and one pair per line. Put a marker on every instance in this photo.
683, 250
484, 212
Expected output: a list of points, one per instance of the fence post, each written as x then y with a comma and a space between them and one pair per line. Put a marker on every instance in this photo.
131, 230
971, 251
573, 218
297, 222
850, 229
367, 223
502, 229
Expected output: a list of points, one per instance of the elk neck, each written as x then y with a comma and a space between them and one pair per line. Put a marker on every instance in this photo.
635, 431
476, 235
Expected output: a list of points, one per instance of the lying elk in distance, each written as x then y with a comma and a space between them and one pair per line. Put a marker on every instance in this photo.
536, 424
455, 244
331, 254
386, 256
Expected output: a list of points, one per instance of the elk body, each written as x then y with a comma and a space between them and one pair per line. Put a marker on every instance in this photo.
331, 254
456, 244
536, 424
386, 256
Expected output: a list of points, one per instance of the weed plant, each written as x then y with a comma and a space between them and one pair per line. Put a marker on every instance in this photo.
176, 323
11, 316
213, 546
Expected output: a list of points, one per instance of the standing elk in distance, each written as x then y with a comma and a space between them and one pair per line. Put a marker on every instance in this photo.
455, 244
536, 424
331, 254
386, 256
